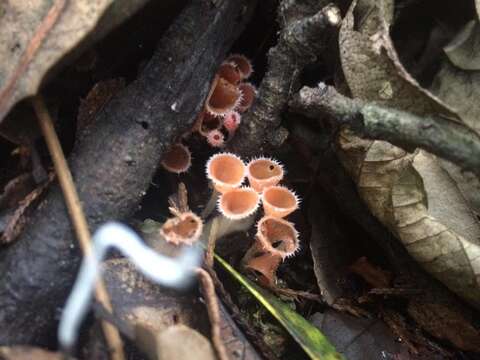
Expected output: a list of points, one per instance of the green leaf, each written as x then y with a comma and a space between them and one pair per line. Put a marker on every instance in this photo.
315, 344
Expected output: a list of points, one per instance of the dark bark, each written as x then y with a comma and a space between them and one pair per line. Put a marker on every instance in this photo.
300, 42
113, 163
447, 139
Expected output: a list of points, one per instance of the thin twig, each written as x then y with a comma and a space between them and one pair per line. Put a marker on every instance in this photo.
447, 139
213, 312
77, 216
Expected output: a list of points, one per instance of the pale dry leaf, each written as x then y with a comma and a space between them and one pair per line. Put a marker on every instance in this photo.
463, 50
443, 236
374, 74
35, 35
465, 100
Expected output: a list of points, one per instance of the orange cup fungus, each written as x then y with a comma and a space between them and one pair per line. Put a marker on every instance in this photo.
177, 159
249, 92
277, 236
185, 228
223, 97
208, 122
264, 266
278, 201
243, 64
264, 172
231, 121
238, 203
226, 171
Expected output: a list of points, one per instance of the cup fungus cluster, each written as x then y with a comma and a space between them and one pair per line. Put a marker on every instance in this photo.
229, 96
276, 238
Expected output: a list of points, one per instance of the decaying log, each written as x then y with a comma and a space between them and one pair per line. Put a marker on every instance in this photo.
113, 163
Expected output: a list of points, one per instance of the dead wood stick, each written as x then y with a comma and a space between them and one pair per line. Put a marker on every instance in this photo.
213, 312
440, 136
299, 43
77, 216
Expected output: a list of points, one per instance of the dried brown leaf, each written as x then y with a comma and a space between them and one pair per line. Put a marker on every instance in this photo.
373, 73
36, 35
27, 353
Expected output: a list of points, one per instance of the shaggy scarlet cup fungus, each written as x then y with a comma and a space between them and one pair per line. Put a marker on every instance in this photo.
277, 236
223, 97
264, 265
184, 228
231, 121
226, 171
215, 138
238, 203
264, 172
243, 64
230, 72
278, 201
249, 92
177, 159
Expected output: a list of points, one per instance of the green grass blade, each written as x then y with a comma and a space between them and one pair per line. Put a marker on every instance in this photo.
315, 344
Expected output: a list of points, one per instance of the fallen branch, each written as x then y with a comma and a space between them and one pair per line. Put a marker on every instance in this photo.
300, 43
440, 136
113, 163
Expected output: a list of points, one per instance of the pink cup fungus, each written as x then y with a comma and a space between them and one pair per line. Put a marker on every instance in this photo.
278, 201
184, 228
243, 64
177, 159
238, 203
264, 266
223, 97
249, 92
226, 171
277, 236
231, 121
264, 172
230, 72
215, 138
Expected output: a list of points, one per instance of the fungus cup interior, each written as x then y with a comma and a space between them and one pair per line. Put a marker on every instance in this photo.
185, 226
227, 169
224, 96
177, 157
280, 197
239, 201
263, 169
280, 234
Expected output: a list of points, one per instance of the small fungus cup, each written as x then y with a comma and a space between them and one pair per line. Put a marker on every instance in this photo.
223, 97
264, 172
264, 266
215, 138
238, 203
249, 92
177, 159
244, 65
278, 201
226, 171
185, 228
277, 236
230, 72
